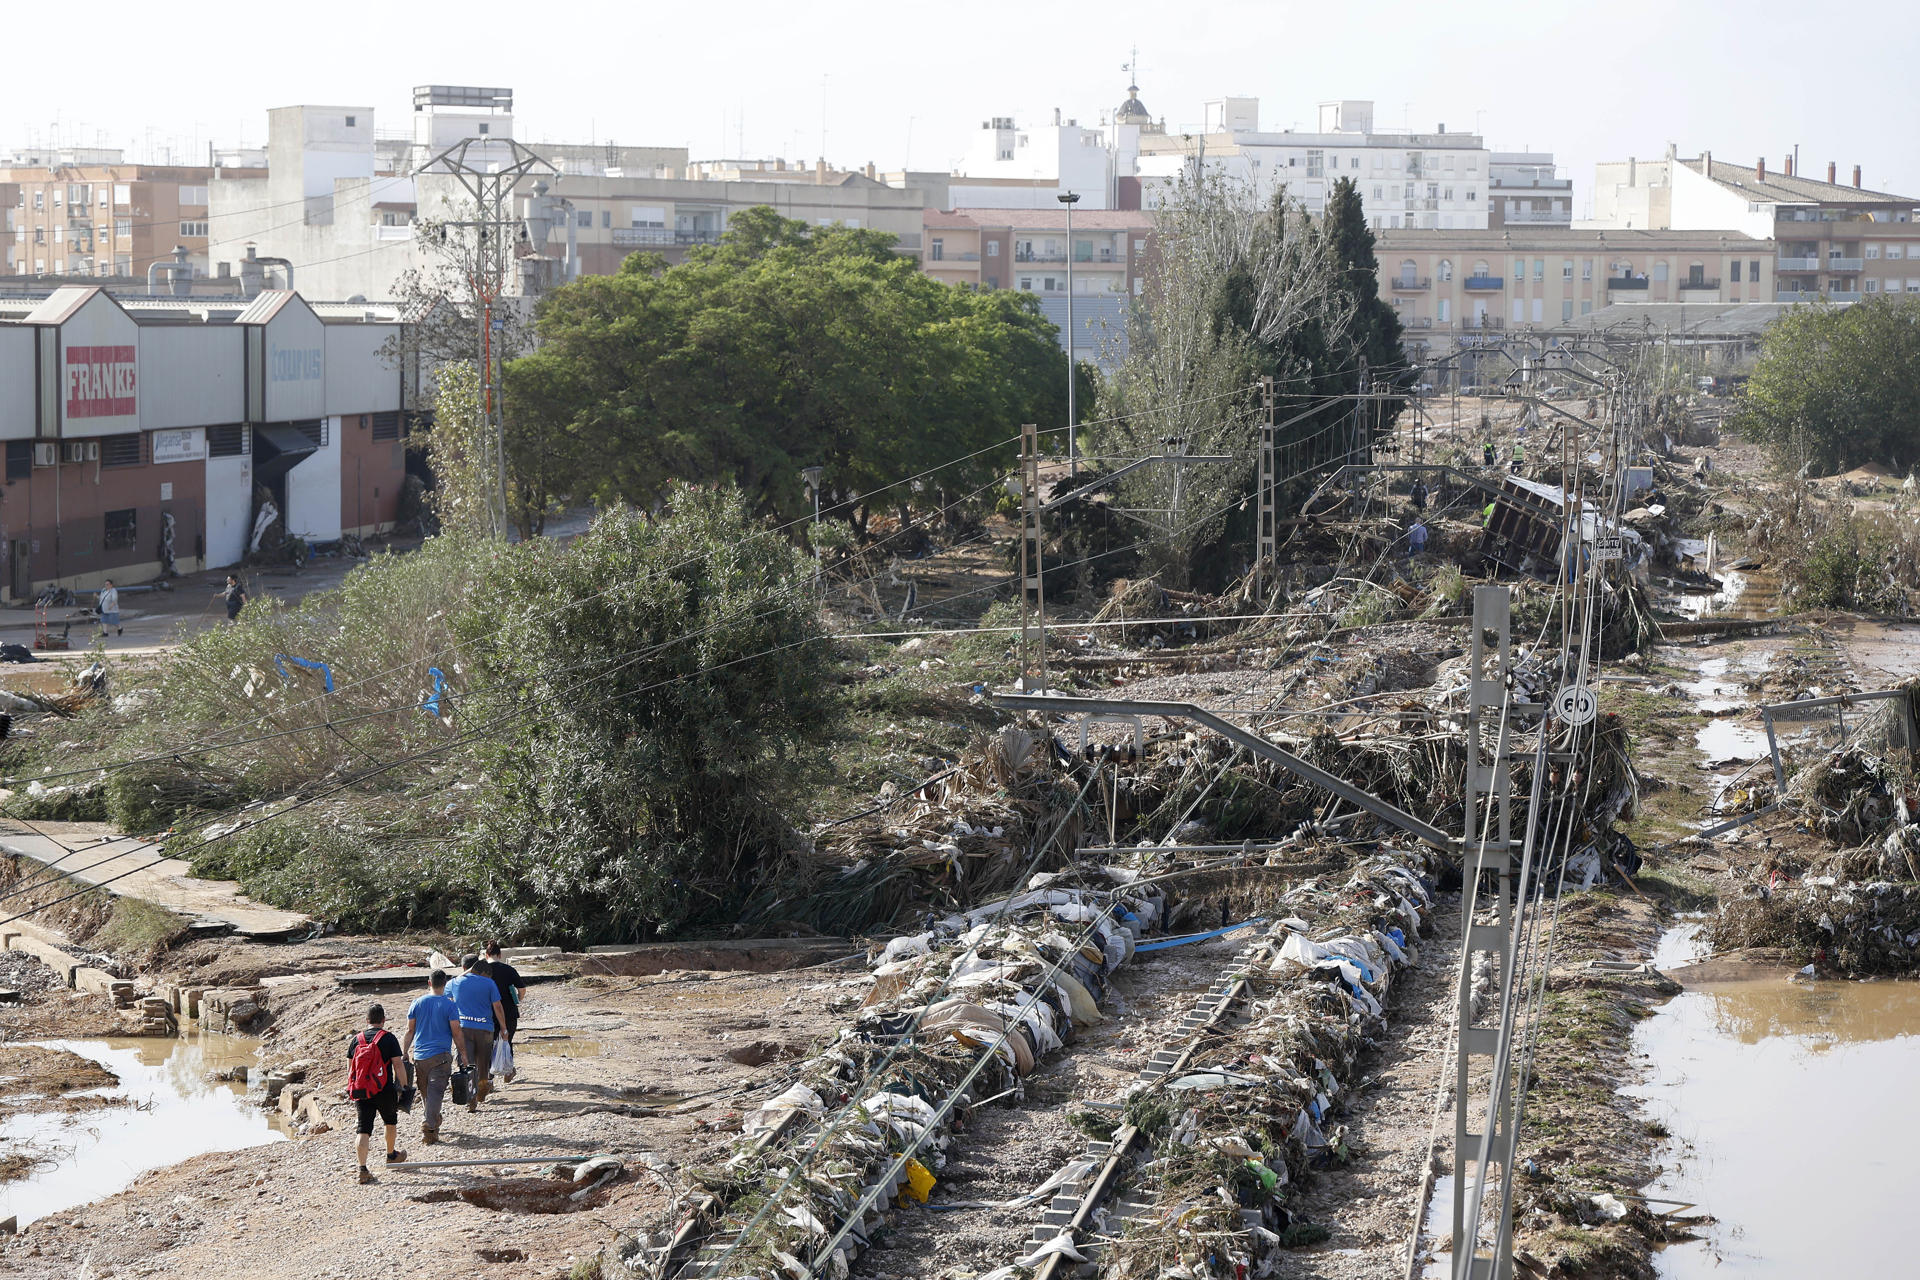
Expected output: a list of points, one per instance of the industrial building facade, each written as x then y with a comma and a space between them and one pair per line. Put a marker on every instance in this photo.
143, 438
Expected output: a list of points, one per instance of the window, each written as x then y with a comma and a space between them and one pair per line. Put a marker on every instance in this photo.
1519, 310
79, 193
1566, 310
227, 442
1472, 195
123, 451
1316, 164
122, 193
1449, 164
1026, 283
645, 215
485, 127
1444, 309
1896, 250
583, 217
1006, 153
1376, 192
1353, 163
1445, 270
386, 425
123, 226
198, 228
1539, 269
193, 196
1660, 270
1519, 272
1447, 194
19, 459
1566, 268
1873, 286
350, 122
1480, 269
1873, 251
1048, 284
1586, 306
1913, 286
1538, 312
1736, 271
1433, 191
993, 282
993, 248
120, 529
939, 249
1753, 270
39, 199
1409, 192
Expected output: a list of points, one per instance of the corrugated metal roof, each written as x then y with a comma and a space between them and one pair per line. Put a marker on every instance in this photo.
59, 306
268, 305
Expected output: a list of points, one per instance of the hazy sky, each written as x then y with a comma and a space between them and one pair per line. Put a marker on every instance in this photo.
905, 82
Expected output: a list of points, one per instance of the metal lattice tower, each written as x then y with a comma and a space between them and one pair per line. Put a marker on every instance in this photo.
494, 227
1033, 595
1267, 546
1487, 846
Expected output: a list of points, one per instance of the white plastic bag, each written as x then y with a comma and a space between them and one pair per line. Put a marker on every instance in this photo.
503, 1058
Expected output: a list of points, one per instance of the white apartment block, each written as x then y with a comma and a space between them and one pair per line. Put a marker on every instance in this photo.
1429, 181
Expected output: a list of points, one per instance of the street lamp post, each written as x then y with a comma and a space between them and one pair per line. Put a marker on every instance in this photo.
812, 476
1069, 199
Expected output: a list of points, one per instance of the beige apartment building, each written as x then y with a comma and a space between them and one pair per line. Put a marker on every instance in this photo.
1028, 249
103, 219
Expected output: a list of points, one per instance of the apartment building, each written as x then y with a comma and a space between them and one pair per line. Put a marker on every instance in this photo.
338, 211
1451, 287
1829, 239
88, 213
138, 432
1524, 189
1435, 181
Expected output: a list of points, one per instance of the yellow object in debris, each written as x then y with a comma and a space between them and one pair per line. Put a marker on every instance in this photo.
919, 1182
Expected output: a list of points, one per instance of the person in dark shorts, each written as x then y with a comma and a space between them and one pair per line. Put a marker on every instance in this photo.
508, 980
235, 595
374, 1086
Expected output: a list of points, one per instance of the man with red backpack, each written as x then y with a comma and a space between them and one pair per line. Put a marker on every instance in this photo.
372, 1086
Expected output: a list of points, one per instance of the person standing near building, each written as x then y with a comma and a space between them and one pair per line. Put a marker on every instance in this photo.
434, 1043
477, 1002
372, 1086
110, 609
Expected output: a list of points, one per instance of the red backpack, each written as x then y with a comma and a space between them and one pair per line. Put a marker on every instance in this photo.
367, 1068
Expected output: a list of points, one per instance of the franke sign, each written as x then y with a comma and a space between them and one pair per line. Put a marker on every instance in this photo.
100, 382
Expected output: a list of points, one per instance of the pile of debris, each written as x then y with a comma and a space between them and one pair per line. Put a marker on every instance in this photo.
943, 847
1256, 1109
958, 1014
1849, 927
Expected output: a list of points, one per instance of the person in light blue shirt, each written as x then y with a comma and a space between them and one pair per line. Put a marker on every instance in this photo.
434, 1040
476, 1002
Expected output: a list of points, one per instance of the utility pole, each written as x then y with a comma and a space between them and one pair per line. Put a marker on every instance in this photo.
1033, 595
1266, 530
812, 477
1069, 199
491, 189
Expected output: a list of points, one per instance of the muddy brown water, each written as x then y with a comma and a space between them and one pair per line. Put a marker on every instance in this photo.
1791, 1107
166, 1110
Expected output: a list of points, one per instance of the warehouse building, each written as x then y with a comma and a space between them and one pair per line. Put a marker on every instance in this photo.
144, 437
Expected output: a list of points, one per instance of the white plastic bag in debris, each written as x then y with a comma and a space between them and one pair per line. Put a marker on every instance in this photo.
1060, 1244
1586, 865
1303, 950
907, 1115
1037, 1016
912, 945
1360, 951
774, 1112
1072, 1171
1309, 1133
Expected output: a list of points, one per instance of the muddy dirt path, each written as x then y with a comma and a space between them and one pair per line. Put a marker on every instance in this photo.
1010, 1148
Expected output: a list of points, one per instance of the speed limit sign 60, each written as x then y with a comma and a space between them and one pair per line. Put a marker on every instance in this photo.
1576, 704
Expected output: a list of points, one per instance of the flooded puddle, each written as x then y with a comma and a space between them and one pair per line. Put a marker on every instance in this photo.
558, 1047
1790, 1105
171, 1112
1724, 741
1744, 593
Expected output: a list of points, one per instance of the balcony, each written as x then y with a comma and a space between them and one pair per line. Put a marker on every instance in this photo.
938, 258
1038, 255
1483, 284
1845, 264
663, 236
1552, 217
1784, 263
1417, 322
1483, 322
1795, 295
1095, 258
1410, 284
1705, 282
1621, 283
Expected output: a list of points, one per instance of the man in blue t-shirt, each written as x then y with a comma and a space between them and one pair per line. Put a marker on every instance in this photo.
476, 1000
434, 1041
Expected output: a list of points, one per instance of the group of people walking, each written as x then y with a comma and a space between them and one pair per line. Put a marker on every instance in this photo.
451, 1032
